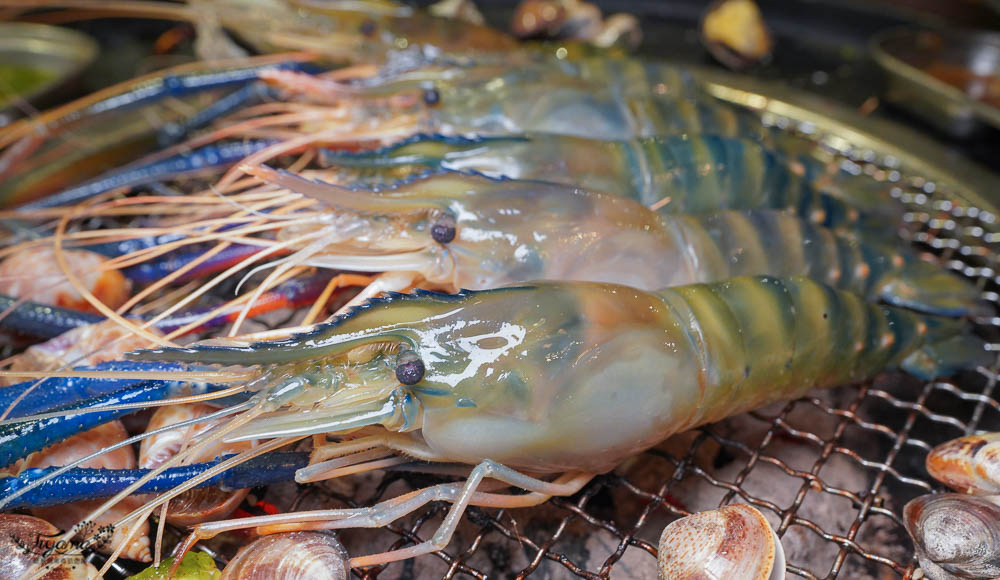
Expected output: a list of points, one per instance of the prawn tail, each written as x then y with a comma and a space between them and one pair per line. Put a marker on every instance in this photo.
949, 347
930, 289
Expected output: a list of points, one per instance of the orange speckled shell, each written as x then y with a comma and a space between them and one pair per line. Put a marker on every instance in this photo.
968, 464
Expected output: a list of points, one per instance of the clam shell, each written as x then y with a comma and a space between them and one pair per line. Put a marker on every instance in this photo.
197, 505
968, 464
290, 556
959, 533
733, 31
19, 549
731, 542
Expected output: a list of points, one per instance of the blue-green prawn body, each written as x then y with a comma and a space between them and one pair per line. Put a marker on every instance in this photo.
502, 232
574, 376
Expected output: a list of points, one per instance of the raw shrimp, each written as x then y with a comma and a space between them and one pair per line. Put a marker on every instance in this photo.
680, 174
562, 378
456, 231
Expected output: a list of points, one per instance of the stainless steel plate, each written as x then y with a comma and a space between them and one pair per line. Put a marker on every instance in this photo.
906, 57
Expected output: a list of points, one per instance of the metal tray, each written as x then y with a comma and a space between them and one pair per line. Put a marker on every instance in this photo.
906, 55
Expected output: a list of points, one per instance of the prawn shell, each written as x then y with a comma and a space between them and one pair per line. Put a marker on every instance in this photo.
82, 346
35, 274
968, 464
290, 556
731, 542
18, 532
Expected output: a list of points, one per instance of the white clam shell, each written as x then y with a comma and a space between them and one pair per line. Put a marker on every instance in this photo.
290, 556
958, 534
731, 542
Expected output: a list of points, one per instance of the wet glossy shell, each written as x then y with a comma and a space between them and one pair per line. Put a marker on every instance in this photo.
731, 542
968, 464
290, 556
959, 533
18, 544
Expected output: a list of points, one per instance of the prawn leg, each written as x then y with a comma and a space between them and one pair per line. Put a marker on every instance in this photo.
255, 92
33, 397
460, 495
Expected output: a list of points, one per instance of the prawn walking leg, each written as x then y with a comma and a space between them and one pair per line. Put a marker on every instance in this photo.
460, 495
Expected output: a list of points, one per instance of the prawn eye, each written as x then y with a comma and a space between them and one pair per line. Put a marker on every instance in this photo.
367, 28
409, 368
443, 230
431, 97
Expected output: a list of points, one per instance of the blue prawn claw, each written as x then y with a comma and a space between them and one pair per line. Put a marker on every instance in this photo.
88, 483
57, 392
24, 435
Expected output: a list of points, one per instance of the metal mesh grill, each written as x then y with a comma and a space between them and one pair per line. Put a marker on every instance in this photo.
830, 471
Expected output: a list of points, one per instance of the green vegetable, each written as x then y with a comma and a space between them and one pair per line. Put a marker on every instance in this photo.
19, 81
194, 566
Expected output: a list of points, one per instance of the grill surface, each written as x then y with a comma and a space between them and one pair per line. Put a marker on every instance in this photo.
831, 471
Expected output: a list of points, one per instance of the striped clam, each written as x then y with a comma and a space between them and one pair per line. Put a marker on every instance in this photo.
734, 541
956, 535
290, 556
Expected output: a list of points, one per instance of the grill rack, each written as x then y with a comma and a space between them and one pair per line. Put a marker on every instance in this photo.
882, 429
898, 416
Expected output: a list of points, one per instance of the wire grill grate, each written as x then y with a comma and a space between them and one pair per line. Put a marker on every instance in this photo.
881, 430
830, 471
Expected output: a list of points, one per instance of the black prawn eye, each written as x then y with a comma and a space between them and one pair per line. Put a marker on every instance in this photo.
367, 28
431, 97
443, 230
409, 368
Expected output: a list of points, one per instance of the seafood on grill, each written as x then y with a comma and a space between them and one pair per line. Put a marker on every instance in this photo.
292, 555
955, 534
364, 31
454, 231
969, 464
678, 174
575, 19
596, 98
36, 275
734, 541
25, 539
564, 378
733, 31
